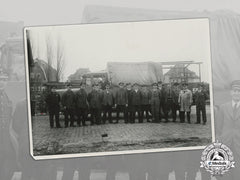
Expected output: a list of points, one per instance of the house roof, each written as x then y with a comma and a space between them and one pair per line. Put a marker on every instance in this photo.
178, 69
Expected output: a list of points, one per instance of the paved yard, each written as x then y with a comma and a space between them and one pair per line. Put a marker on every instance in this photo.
120, 136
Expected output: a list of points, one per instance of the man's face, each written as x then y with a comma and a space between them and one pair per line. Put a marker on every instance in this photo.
83, 86
159, 86
155, 87
97, 87
121, 85
184, 87
235, 93
129, 87
107, 87
135, 87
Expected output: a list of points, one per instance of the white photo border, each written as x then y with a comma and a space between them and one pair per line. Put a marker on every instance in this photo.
92, 154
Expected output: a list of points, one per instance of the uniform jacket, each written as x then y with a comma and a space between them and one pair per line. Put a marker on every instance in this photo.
53, 101
5, 105
228, 125
185, 100
6, 147
108, 98
164, 95
129, 96
136, 97
173, 95
68, 99
155, 97
121, 97
95, 99
81, 99
145, 97
200, 98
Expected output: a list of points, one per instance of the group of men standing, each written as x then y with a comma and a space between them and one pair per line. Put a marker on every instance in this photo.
153, 103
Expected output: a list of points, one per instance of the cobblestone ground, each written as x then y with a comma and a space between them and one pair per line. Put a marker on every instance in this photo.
120, 136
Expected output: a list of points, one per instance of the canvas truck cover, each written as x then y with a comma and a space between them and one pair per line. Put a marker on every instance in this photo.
130, 72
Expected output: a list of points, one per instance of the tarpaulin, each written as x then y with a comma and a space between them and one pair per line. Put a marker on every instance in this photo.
142, 73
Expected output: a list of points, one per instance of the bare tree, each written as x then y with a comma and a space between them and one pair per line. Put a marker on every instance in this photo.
33, 41
60, 58
49, 51
55, 57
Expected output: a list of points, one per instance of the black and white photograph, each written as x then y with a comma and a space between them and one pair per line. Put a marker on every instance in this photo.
119, 88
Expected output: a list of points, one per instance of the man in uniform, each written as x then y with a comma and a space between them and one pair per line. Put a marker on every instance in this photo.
121, 101
200, 100
95, 102
68, 102
164, 101
172, 100
129, 108
7, 158
145, 102
155, 96
108, 102
53, 104
136, 102
81, 105
185, 101
162, 105
227, 127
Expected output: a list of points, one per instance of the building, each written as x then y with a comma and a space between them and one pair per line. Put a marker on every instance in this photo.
180, 73
40, 73
77, 76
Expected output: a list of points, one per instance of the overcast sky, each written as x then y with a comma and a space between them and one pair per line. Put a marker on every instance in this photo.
92, 46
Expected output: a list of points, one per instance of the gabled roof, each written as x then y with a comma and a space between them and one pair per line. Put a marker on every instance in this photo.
178, 69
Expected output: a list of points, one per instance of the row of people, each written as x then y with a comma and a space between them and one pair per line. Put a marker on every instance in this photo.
129, 100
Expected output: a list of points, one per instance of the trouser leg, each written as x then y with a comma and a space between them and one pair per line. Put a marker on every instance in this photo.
204, 115
166, 110
182, 116
105, 112
143, 109
148, 111
84, 116
153, 113
110, 114
134, 114
188, 117
51, 119
66, 121
71, 112
157, 113
57, 119
198, 114
79, 117
125, 113
160, 112
92, 116
118, 112
98, 116
174, 112
140, 116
